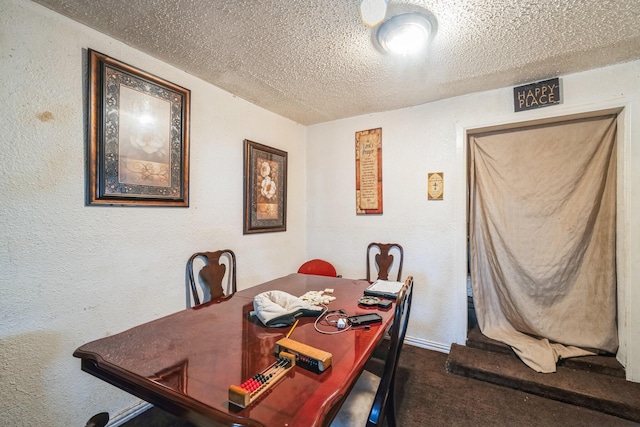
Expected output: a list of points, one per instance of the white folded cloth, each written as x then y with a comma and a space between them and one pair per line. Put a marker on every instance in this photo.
278, 308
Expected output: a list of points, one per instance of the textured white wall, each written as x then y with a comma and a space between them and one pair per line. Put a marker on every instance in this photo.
72, 273
431, 138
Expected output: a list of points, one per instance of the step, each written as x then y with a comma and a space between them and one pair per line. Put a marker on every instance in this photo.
602, 364
599, 392
476, 339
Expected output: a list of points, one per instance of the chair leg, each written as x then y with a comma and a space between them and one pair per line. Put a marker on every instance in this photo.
391, 410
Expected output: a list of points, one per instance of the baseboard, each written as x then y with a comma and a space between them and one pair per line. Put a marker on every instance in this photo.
129, 414
429, 345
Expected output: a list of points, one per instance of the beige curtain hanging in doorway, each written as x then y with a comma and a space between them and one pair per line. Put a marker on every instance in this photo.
542, 238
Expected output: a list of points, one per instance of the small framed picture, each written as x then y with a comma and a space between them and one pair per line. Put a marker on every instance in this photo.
138, 144
265, 188
435, 186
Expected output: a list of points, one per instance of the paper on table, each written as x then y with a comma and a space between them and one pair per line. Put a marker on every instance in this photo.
384, 288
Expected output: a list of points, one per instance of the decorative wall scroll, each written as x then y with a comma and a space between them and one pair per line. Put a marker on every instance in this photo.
265, 189
369, 171
138, 145
435, 186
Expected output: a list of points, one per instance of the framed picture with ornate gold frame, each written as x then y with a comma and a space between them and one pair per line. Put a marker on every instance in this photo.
265, 188
138, 142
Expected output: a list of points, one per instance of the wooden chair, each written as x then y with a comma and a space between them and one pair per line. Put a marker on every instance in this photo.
384, 260
318, 267
211, 275
372, 398
98, 420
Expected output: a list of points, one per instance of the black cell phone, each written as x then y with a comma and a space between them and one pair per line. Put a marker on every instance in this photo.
364, 319
385, 303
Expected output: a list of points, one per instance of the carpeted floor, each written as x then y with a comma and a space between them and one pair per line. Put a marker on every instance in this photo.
429, 396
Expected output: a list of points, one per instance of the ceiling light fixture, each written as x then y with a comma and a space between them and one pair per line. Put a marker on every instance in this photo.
404, 34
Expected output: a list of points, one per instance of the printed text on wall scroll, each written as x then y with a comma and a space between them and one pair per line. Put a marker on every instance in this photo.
369, 171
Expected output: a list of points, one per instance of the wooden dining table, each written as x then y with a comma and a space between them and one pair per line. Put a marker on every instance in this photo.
185, 362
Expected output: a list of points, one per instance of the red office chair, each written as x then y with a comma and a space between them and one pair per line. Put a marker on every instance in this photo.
318, 267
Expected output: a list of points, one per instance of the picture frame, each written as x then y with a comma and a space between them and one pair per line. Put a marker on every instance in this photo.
435, 186
265, 188
369, 172
138, 142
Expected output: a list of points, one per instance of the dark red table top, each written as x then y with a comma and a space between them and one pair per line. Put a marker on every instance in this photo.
185, 362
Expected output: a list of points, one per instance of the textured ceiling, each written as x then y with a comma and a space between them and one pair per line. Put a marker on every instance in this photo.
314, 61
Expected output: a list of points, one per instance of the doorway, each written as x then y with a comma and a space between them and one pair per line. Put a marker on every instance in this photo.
541, 236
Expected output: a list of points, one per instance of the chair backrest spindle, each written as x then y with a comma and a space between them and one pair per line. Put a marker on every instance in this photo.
212, 274
384, 259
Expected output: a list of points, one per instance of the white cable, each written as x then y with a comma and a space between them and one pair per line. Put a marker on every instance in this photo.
325, 313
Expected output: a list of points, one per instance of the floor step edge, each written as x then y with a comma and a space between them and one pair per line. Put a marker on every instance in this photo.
595, 391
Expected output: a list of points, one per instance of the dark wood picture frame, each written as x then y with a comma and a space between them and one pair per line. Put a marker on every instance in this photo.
138, 142
265, 188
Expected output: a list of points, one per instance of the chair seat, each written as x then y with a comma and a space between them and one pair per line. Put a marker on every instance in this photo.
355, 409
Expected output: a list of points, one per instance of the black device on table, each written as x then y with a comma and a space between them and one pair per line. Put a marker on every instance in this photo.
364, 319
371, 301
385, 303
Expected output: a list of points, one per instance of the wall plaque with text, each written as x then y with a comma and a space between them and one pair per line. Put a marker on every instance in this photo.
435, 186
369, 171
537, 95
